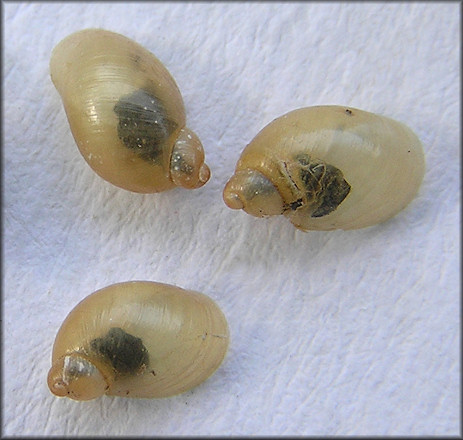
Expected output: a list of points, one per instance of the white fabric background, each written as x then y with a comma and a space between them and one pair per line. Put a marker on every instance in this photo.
333, 333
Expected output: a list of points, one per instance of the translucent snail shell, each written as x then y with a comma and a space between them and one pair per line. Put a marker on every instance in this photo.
328, 167
126, 113
138, 339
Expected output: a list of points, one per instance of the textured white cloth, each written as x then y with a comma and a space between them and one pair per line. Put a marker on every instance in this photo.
332, 333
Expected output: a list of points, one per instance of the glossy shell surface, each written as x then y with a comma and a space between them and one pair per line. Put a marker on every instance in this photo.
328, 167
138, 339
126, 113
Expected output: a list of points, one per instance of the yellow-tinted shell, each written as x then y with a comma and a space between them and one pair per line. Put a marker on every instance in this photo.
328, 167
126, 113
138, 339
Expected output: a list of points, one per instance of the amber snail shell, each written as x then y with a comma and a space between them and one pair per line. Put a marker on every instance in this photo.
138, 339
328, 167
126, 113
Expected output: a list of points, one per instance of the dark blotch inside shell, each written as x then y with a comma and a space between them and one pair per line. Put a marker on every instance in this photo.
324, 185
125, 352
143, 125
